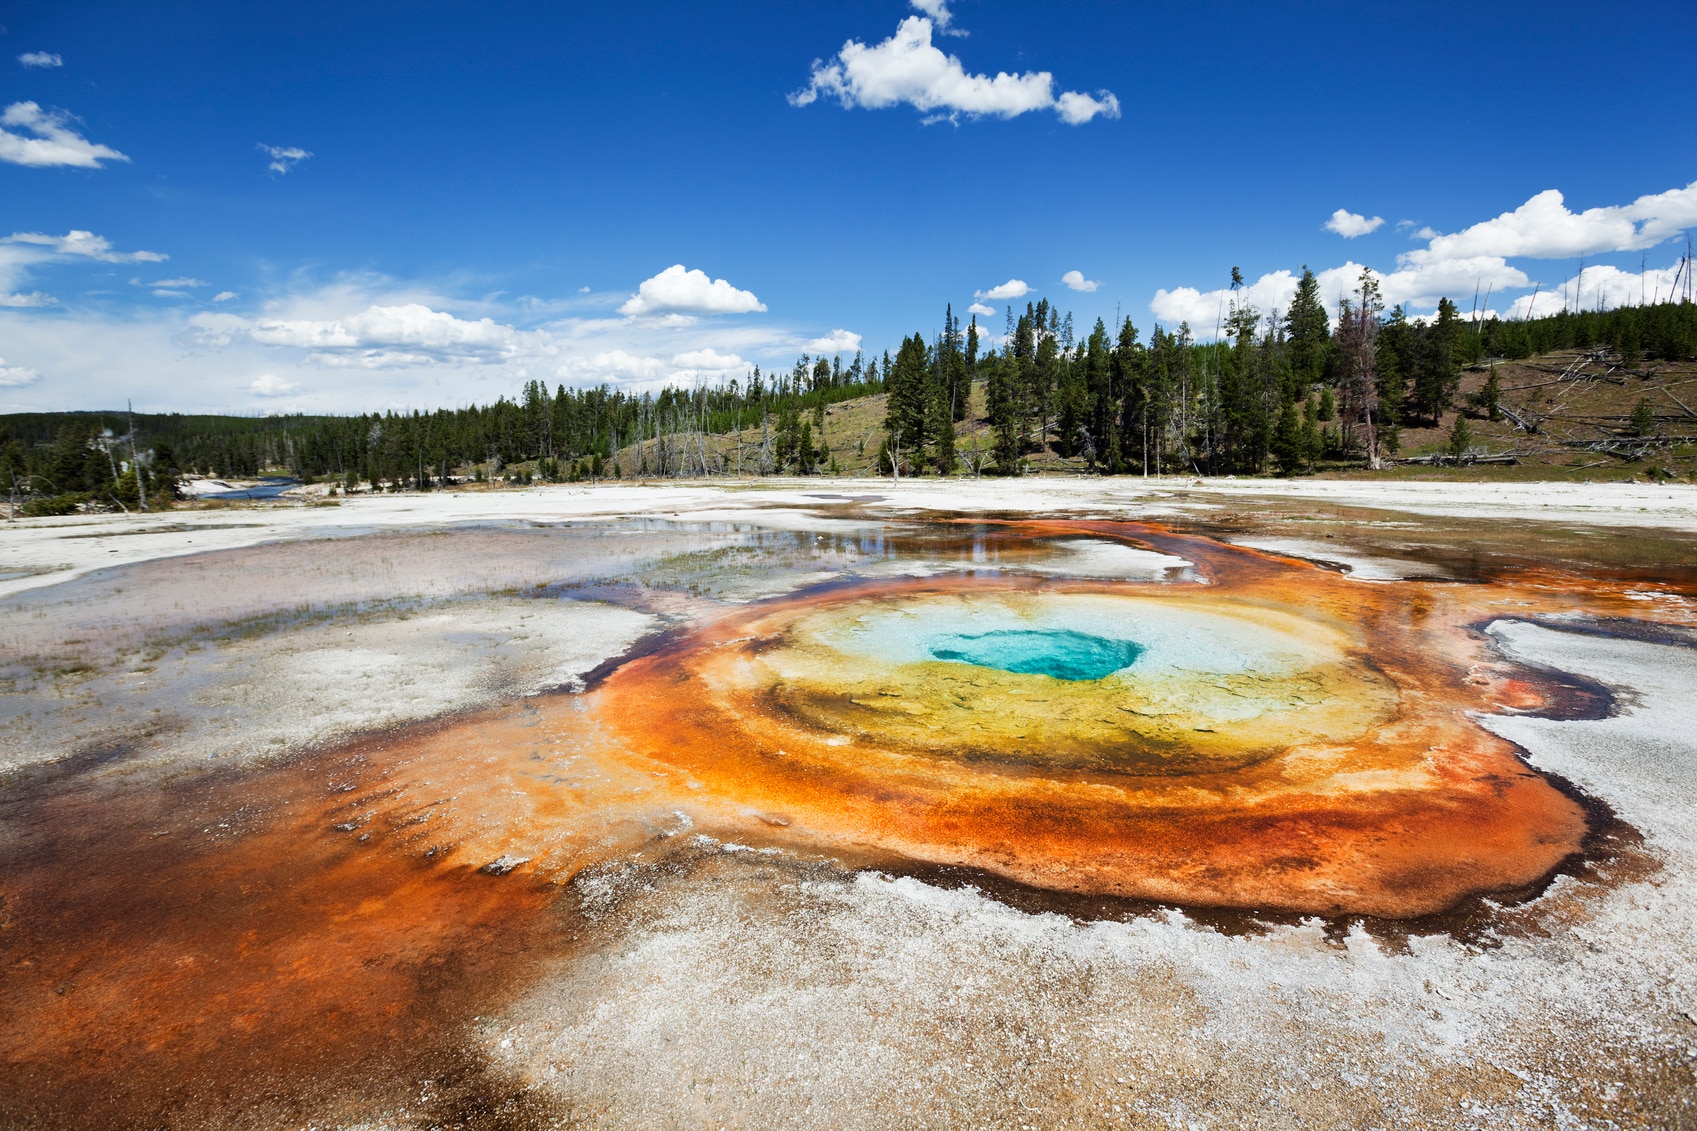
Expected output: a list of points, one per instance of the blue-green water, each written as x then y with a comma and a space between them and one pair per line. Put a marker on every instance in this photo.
1061, 653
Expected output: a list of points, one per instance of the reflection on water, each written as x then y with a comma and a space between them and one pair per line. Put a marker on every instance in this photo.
267, 488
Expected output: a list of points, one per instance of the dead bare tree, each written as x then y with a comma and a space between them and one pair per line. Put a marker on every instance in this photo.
1356, 339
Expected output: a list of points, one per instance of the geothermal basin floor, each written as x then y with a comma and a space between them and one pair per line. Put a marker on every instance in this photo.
307, 819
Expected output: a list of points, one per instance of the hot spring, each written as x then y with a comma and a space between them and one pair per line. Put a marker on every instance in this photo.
1272, 738
1062, 654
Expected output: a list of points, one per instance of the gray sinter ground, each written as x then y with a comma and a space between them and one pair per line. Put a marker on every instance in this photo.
721, 986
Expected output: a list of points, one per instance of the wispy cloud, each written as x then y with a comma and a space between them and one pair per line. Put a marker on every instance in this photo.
940, 15
40, 59
284, 157
378, 337
55, 142
22, 251
83, 244
225, 296
1352, 224
908, 68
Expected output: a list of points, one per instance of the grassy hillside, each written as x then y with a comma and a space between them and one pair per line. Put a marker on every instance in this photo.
1575, 408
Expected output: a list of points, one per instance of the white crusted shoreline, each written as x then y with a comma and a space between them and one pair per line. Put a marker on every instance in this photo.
46, 551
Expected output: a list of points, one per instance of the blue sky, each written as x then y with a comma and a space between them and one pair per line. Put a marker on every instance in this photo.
385, 205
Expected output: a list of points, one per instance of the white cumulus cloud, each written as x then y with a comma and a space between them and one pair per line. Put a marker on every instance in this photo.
283, 157
1477, 258
837, 341
1603, 286
1351, 224
40, 59
1544, 228
16, 376
1203, 310
708, 359
1076, 281
54, 141
679, 291
909, 68
1075, 109
621, 365
1013, 288
1410, 286
980, 309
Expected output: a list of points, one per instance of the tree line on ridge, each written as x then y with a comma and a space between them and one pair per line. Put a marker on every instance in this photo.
1272, 392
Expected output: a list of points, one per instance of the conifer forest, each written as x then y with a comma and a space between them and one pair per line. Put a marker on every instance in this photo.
1281, 392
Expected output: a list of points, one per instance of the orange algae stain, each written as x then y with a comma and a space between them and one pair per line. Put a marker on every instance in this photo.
1340, 773
194, 949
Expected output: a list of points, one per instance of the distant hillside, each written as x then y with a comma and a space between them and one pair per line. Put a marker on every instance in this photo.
1570, 412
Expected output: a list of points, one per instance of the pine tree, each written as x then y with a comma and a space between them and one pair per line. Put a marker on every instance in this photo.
1627, 340
1307, 334
1461, 437
805, 455
1098, 389
1439, 372
908, 405
970, 363
940, 428
952, 362
1003, 396
1391, 353
1643, 418
1289, 447
1313, 440
1127, 419
1044, 369
1242, 405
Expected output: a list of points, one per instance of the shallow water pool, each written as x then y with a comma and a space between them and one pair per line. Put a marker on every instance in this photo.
1059, 654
